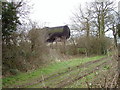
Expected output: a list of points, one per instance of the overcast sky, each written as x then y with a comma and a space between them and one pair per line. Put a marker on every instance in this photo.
54, 12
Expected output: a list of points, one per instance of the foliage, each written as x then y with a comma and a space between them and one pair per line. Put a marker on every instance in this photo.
30, 53
89, 46
96, 45
16, 46
16, 53
10, 20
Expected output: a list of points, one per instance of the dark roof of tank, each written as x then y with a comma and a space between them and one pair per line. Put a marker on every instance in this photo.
54, 29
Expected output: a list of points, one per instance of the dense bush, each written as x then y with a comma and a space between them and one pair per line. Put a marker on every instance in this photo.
88, 46
94, 45
28, 52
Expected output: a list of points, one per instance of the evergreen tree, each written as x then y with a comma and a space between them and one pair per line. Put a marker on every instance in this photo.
10, 20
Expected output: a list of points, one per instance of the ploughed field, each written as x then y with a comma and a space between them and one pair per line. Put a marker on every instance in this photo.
73, 73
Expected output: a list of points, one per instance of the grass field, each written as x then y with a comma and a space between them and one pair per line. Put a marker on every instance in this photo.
70, 73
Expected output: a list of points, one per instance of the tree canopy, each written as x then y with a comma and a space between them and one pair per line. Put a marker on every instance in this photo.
10, 20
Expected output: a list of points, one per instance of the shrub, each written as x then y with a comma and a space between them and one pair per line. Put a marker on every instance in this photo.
85, 46
26, 53
93, 45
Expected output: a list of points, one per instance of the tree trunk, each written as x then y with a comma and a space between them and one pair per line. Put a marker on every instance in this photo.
98, 25
102, 26
87, 28
115, 40
118, 81
115, 35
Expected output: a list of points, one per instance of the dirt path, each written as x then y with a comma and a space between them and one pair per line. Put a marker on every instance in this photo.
67, 80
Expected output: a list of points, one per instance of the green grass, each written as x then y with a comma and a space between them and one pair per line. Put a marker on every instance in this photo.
89, 78
53, 82
80, 84
52, 68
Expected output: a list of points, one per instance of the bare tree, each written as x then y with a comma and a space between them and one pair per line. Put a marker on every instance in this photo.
82, 20
101, 15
